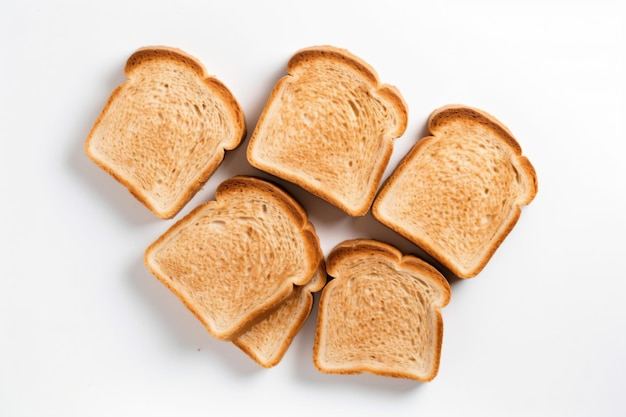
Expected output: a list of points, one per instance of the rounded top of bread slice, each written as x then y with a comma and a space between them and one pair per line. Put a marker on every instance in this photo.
234, 259
458, 193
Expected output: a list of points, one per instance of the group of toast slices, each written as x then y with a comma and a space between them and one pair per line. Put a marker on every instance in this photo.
247, 264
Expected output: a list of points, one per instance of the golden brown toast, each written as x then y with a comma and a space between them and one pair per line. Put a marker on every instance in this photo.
328, 127
458, 193
164, 131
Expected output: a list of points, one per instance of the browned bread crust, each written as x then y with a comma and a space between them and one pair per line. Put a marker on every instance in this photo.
163, 132
458, 193
380, 313
328, 127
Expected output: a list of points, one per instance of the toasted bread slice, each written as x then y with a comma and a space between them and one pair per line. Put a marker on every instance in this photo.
380, 314
458, 193
163, 132
328, 127
233, 260
267, 340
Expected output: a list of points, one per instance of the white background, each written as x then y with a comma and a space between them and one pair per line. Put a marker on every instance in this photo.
85, 330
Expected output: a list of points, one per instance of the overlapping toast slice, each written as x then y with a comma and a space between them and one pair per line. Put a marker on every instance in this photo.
233, 260
328, 127
164, 131
458, 193
267, 341
380, 313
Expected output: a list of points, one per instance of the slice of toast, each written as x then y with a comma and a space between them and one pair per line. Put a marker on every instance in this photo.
164, 131
380, 314
458, 193
267, 341
233, 260
328, 127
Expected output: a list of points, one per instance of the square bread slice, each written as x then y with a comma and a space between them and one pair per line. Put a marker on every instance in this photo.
233, 260
328, 127
458, 193
164, 131
380, 313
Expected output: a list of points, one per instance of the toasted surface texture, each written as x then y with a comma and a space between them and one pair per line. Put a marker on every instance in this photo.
380, 314
459, 192
163, 132
328, 127
233, 260
268, 339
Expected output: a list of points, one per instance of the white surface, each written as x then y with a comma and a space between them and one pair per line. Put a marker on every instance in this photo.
85, 330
